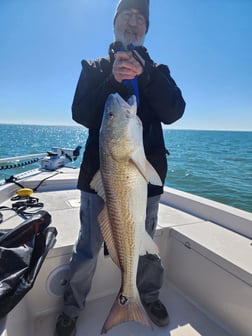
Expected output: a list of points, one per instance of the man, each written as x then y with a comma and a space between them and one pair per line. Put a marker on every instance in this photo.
127, 70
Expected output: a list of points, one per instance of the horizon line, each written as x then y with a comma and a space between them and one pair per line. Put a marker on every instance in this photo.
164, 127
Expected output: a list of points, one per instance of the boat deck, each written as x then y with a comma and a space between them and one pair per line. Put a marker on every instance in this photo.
199, 258
186, 319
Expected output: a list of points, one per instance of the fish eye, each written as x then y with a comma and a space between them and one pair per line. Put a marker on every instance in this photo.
111, 114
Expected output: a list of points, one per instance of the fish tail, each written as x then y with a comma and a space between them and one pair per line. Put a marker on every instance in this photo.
124, 310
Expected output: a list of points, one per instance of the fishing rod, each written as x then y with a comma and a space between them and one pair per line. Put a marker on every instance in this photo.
20, 158
50, 160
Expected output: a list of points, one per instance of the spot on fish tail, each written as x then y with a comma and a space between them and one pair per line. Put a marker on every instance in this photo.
123, 300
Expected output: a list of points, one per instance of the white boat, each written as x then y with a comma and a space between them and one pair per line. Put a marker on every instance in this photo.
205, 246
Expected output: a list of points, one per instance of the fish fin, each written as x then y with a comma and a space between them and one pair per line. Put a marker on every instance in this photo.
106, 229
103, 218
124, 310
148, 245
145, 168
97, 185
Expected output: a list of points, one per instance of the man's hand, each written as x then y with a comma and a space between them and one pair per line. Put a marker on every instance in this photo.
126, 66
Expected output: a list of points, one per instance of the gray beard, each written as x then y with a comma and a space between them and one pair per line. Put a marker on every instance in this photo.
120, 38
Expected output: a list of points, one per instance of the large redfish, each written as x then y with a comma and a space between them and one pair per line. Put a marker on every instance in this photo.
122, 183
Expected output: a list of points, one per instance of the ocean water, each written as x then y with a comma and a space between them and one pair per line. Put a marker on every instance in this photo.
213, 164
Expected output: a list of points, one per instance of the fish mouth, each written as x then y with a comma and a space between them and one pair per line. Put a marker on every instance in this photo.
132, 100
115, 98
116, 105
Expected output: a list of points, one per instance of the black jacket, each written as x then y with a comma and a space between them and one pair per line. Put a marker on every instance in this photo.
160, 101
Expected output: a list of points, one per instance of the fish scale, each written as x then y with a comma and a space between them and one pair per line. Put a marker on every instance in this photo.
122, 183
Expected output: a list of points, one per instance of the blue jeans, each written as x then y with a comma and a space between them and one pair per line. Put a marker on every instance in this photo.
86, 250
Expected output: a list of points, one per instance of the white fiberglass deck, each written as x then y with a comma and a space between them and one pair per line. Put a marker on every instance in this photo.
186, 319
207, 288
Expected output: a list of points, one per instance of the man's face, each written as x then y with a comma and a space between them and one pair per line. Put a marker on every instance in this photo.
130, 27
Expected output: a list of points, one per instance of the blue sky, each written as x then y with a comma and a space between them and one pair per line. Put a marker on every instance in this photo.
206, 44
